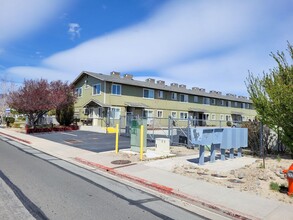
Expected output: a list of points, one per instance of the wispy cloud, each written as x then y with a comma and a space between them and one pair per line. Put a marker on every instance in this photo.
19, 18
74, 30
209, 44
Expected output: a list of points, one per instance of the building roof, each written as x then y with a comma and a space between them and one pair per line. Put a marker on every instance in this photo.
151, 84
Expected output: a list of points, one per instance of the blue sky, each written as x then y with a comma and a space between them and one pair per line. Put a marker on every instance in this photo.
210, 44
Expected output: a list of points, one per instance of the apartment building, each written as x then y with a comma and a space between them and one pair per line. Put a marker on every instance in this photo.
104, 98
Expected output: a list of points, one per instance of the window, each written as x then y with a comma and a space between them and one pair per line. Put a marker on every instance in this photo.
174, 114
195, 98
183, 98
228, 117
115, 113
235, 104
148, 93
206, 100
183, 115
228, 103
222, 102
160, 114
160, 94
222, 117
213, 117
97, 89
174, 96
86, 84
148, 113
213, 101
116, 89
242, 105
78, 92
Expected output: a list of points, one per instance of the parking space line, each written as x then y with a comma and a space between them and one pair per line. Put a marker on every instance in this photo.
69, 134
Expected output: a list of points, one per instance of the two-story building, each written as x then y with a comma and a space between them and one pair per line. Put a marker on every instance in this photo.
104, 98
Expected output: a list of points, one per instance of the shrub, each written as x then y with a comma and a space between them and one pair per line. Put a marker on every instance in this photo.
274, 186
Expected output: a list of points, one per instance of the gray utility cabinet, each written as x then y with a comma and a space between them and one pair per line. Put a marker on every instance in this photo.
223, 138
135, 130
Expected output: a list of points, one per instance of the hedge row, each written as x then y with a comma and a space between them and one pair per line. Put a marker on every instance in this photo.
51, 129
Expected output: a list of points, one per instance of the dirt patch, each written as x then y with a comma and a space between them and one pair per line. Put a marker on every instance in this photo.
251, 178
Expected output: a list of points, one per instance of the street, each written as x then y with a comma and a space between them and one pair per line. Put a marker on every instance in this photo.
55, 189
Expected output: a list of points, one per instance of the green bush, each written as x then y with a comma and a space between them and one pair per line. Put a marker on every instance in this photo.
10, 119
274, 186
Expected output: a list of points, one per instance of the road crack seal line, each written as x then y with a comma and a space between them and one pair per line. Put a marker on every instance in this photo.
27, 203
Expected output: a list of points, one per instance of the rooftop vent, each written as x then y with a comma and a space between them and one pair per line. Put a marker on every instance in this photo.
174, 84
242, 97
182, 86
231, 95
160, 82
128, 76
195, 88
150, 80
114, 73
215, 92
202, 89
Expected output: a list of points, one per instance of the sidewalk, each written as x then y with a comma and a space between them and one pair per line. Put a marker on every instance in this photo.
155, 174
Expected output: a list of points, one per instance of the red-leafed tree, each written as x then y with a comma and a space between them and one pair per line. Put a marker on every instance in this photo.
36, 97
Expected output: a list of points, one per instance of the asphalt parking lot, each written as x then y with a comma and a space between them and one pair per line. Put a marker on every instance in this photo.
92, 141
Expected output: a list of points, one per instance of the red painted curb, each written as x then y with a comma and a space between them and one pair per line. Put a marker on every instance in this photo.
166, 190
19, 139
156, 186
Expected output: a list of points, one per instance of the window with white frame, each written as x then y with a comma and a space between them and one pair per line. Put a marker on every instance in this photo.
228, 117
174, 96
116, 89
97, 89
148, 93
148, 113
242, 105
160, 94
195, 98
213, 101
183, 98
222, 117
183, 115
206, 100
213, 117
115, 112
174, 114
160, 114
78, 92
222, 102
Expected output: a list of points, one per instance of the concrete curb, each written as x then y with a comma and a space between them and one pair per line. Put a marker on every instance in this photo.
16, 138
167, 190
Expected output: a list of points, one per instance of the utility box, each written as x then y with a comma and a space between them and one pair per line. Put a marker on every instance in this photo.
135, 129
163, 145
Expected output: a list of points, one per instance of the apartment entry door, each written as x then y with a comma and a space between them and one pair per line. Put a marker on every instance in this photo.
149, 115
198, 118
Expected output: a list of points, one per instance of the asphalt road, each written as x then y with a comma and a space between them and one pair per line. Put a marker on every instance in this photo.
87, 140
54, 189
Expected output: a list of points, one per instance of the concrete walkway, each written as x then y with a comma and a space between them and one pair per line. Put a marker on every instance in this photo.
156, 175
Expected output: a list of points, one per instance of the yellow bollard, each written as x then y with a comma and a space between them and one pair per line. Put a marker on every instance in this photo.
117, 138
141, 142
